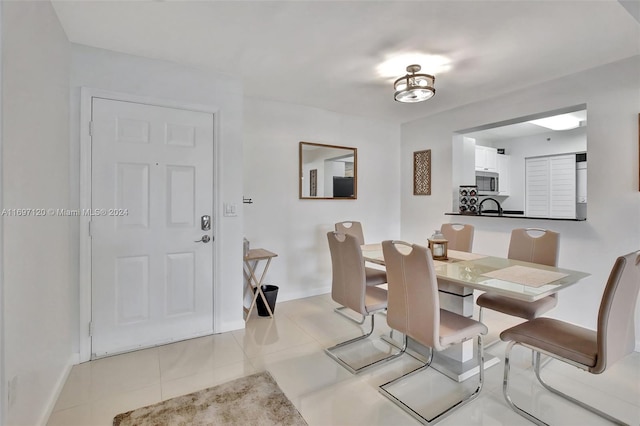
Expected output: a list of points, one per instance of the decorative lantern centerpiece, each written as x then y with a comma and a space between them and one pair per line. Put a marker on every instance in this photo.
438, 246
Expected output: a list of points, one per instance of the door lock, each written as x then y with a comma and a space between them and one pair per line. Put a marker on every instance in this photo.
205, 223
205, 239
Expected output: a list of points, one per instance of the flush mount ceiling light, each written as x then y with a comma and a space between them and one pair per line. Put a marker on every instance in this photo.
558, 122
414, 87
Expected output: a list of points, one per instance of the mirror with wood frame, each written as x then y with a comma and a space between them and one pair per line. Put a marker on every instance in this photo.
328, 172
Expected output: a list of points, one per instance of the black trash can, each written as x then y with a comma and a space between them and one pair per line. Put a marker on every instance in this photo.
270, 293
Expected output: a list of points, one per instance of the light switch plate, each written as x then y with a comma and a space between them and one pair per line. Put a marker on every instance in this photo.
230, 209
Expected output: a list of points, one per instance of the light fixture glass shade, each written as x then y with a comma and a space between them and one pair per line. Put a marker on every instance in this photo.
414, 87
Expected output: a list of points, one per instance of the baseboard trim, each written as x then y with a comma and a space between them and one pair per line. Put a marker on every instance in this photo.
74, 359
284, 297
230, 326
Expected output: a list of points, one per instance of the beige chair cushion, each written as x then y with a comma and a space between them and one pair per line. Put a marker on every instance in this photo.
375, 276
566, 340
594, 350
455, 328
515, 307
375, 299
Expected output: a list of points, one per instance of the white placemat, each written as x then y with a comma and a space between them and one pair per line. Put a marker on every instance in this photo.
463, 255
531, 277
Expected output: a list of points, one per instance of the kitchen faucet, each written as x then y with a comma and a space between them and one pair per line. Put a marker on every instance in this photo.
495, 201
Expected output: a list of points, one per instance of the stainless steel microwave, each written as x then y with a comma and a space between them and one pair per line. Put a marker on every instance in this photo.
487, 183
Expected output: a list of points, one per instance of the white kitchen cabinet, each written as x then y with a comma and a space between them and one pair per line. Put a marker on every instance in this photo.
504, 174
551, 186
486, 158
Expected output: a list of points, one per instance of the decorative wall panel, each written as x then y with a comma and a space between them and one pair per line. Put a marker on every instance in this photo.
422, 172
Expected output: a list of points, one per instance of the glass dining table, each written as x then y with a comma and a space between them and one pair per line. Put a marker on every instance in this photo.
462, 273
513, 278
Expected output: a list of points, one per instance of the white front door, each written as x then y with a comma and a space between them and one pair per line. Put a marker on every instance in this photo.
151, 183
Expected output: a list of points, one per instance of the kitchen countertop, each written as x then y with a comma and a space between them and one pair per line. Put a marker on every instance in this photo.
510, 215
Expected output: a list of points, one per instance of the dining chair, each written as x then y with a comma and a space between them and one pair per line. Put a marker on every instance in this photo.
413, 308
533, 245
459, 236
374, 276
349, 288
592, 351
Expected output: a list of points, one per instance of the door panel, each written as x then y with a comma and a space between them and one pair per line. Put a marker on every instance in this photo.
132, 289
132, 193
152, 180
180, 196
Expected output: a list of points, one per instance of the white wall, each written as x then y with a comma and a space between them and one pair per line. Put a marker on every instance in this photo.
102, 69
613, 224
38, 303
296, 229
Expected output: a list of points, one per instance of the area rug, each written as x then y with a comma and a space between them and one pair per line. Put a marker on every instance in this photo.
251, 400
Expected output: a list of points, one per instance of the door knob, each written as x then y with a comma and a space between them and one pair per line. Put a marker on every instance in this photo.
204, 239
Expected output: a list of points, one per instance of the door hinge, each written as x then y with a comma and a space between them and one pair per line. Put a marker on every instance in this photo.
90, 328
91, 128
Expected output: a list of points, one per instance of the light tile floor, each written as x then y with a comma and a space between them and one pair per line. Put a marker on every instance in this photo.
291, 347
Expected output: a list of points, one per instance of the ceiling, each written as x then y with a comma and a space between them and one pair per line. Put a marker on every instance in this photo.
326, 54
519, 128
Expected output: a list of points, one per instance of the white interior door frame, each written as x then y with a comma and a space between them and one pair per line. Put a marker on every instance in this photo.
86, 96
3, 398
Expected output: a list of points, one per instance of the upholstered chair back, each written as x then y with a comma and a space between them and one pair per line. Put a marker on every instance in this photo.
526, 246
616, 331
351, 228
348, 272
459, 236
413, 307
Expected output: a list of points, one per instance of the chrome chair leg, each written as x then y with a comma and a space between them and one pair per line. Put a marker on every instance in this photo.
537, 364
405, 375
448, 411
480, 364
505, 389
356, 339
339, 310
572, 399
330, 352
